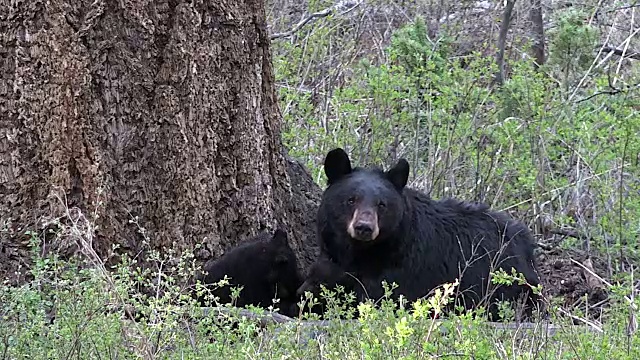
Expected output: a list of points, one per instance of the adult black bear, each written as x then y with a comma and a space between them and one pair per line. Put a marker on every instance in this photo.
374, 227
264, 266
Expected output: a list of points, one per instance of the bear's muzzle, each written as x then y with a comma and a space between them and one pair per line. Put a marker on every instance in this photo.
364, 225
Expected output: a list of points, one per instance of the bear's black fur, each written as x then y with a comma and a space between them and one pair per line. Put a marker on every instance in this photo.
264, 266
374, 227
327, 273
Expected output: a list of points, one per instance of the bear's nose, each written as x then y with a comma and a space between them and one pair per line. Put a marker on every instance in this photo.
364, 229
364, 225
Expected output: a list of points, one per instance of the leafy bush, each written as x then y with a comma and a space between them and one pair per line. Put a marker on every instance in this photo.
77, 310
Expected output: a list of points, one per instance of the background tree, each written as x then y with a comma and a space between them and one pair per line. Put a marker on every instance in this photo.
502, 39
156, 116
537, 30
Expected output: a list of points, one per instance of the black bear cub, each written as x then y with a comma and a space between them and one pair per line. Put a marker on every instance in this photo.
374, 227
265, 267
327, 273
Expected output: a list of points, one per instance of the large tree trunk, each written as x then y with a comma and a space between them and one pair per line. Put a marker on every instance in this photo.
160, 110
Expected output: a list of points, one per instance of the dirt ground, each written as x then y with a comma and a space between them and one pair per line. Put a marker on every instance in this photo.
568, 278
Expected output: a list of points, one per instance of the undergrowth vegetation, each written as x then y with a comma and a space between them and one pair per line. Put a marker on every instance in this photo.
83, 310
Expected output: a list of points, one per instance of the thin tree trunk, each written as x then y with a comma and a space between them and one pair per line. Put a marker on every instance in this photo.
161, 111
537, 29
502, 40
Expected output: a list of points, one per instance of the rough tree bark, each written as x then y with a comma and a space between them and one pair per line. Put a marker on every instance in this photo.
162, 110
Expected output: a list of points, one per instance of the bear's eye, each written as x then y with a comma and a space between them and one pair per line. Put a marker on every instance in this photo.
382, 205
351, 200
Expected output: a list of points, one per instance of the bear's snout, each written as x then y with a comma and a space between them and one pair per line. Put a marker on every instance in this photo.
364, 225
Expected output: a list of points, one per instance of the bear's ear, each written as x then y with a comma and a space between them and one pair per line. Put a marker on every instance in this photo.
399, 174
336, 165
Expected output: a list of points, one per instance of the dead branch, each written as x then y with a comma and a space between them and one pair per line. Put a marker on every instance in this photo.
612, 91
316, 328
620, 52
570, 233
264, 320
277, 319
346, 6
625, 7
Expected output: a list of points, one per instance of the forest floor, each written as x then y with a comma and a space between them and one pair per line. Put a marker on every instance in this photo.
573, 278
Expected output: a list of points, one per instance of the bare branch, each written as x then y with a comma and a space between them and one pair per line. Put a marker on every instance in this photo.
275, 318
620, 52
570, 233
346, 6
263, 320
625, 7
612, 91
